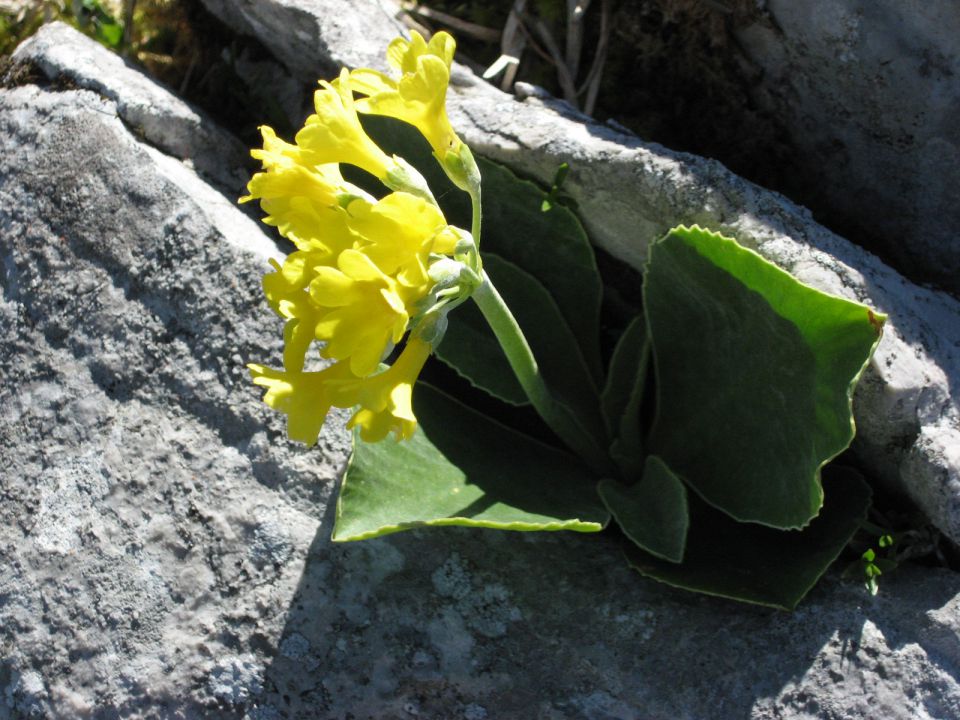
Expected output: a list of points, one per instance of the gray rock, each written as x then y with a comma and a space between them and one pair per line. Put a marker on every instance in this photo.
14, 7
316, 38
166, 122
630, 192
164, 550
870, 93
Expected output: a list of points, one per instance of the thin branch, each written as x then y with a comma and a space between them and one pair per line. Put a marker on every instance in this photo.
129, 7
194, 58
592, 81
513, 42
563, 72
534, 44
481, 32
575, 11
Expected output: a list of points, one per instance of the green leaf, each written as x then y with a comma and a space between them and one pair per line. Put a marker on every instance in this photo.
756, 564
109, 33
462, 468
547, 331
653, 512
469, 349
623, 395
551, 246
755, 374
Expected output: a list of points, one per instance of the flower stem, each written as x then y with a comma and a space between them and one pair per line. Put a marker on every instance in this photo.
558, 416
475, 224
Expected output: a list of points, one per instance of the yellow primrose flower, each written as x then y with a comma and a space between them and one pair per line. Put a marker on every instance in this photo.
402, 54
420, 96
366, 310
285, 289
402, 230
302, 200
276, 153
305, 397
334, 134
386, 399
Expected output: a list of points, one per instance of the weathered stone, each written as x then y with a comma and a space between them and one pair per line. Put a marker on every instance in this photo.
870, 93
629, 192
315, 39
166, 121
14, 7
164, 550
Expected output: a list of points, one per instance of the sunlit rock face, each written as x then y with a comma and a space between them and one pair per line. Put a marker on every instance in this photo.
164, 550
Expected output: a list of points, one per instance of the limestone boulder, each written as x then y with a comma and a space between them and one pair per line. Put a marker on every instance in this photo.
869, 91
164, 551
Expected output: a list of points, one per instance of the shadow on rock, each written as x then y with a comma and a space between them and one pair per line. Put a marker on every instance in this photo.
461, 623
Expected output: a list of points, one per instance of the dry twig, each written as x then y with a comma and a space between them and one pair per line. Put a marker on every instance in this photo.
481, 32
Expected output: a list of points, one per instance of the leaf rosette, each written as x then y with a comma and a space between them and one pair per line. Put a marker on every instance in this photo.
702, 433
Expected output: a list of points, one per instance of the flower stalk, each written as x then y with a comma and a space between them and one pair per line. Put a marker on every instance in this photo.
554, 413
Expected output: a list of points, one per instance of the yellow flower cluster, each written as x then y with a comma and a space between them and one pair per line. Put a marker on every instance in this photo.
420, 96
360, 276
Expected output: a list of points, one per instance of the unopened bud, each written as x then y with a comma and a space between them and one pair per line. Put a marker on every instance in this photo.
445, 272
432, 328
404, 177
461, 168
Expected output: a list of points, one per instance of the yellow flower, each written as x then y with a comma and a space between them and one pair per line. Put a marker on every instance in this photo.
386, 399
366, 310
419, 97
301, 199
401, 231
305, 397
276, 153
334, 133
362, 269
285, 289
404, 54
360, 298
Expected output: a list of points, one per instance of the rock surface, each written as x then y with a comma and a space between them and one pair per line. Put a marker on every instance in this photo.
168, 123
164, 551
316, 38
869, 91
630, 192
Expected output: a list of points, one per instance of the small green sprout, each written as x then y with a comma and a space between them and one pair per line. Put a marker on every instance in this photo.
555, 196
872, 565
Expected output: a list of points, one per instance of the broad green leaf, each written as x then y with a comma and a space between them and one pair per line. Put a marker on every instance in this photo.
624, 385
470, 348
551, 246
623, 395
755, 374
462, 468
652, 512
554, 346
756, 564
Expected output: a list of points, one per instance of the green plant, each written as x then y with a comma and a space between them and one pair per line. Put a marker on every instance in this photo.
95, 17
716, 478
